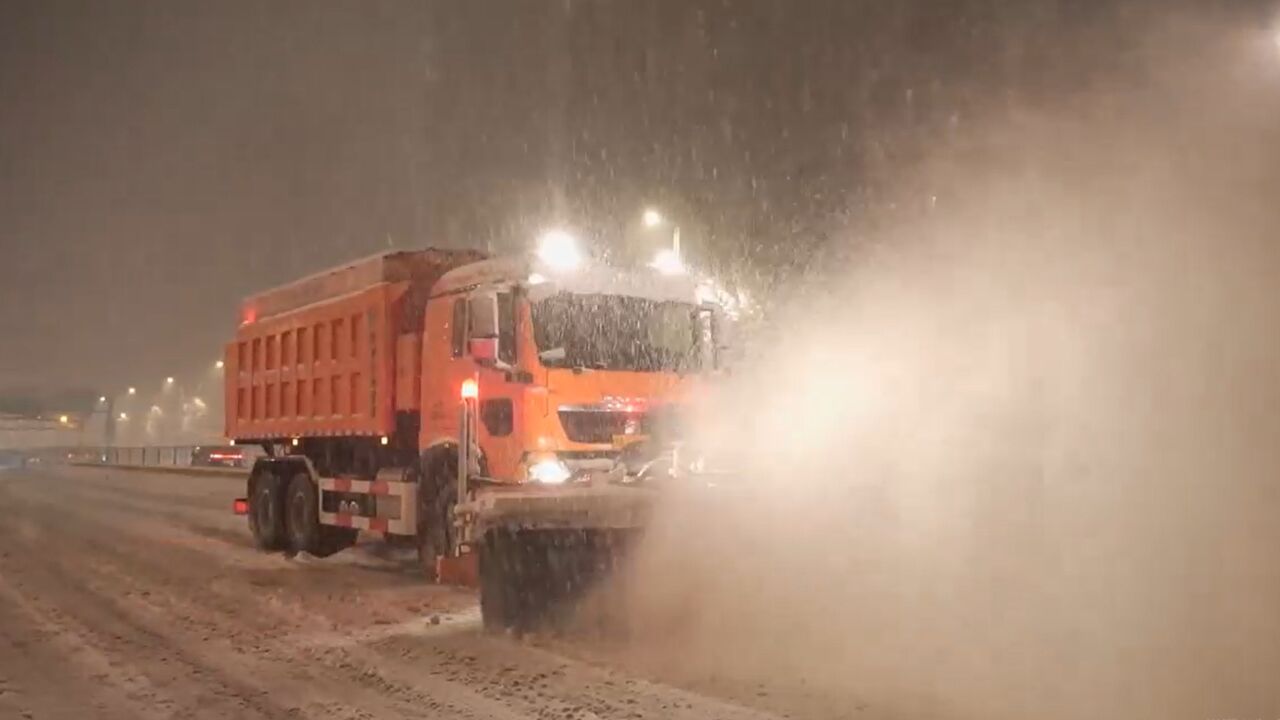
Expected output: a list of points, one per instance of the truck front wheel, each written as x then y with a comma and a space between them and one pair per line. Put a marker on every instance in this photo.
498, 597
436, 498
266, 512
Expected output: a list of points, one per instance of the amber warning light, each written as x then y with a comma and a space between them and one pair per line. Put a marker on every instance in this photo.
470, 389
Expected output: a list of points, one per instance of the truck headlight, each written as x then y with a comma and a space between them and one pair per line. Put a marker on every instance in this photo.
549, 471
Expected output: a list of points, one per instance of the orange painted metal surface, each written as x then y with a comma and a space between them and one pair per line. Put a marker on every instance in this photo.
408, 371
463, 570
326, 369
325, 356
537, 425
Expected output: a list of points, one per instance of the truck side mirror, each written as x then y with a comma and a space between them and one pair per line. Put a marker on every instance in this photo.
484, 316
708, 338
483, 343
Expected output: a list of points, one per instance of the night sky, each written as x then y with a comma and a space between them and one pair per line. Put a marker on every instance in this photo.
159, 160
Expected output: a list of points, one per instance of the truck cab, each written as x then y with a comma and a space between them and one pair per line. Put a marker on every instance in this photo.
569, 367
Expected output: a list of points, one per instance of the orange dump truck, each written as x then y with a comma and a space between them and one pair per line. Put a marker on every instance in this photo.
489, 411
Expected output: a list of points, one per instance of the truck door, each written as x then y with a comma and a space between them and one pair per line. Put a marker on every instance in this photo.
499, 393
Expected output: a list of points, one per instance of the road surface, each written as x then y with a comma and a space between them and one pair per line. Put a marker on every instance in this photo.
137, 596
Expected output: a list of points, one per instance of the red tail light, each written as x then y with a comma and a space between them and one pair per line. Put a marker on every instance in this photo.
240, 506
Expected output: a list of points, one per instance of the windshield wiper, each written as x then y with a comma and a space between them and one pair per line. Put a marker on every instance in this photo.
583, 367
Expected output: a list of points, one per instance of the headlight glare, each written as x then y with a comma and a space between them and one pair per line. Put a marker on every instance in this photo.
549, 471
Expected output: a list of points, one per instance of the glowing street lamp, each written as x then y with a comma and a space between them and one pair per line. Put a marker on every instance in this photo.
168, 381
124, 417
559, 250
63, 419
219, 365
652, 218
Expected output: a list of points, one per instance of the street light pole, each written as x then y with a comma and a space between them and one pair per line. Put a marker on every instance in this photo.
109, 428
652, 219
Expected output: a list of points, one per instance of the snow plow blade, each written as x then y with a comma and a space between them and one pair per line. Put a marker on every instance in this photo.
585, 507
542, 551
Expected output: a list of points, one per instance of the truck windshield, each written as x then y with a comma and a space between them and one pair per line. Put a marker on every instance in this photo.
613, 332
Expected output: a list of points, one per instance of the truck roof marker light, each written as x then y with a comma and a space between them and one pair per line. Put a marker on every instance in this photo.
559, 250
470, 389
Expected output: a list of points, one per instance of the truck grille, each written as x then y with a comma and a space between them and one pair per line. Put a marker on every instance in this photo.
600, 426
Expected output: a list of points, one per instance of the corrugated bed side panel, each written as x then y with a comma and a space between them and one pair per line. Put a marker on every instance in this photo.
327, 369
408, 371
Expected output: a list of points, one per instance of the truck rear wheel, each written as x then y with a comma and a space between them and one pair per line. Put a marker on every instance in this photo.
266, 511
306, 534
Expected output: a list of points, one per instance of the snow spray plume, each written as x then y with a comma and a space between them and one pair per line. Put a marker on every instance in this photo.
1023, 458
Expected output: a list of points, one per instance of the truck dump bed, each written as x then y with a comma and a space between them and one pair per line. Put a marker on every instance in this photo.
317, 357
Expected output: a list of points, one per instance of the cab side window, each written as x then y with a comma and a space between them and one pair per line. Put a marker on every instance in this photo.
507, 327
458, 327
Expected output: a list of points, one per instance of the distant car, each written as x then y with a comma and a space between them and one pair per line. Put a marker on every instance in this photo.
218, 456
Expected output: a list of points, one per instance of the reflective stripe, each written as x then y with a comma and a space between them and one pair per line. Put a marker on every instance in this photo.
365, 487
400, 527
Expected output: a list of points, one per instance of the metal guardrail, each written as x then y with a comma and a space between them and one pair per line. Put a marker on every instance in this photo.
175, 456
168, 456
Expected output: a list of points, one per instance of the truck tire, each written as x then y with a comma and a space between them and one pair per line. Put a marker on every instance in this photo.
497, 583
266, 511
437, 491
305, 532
